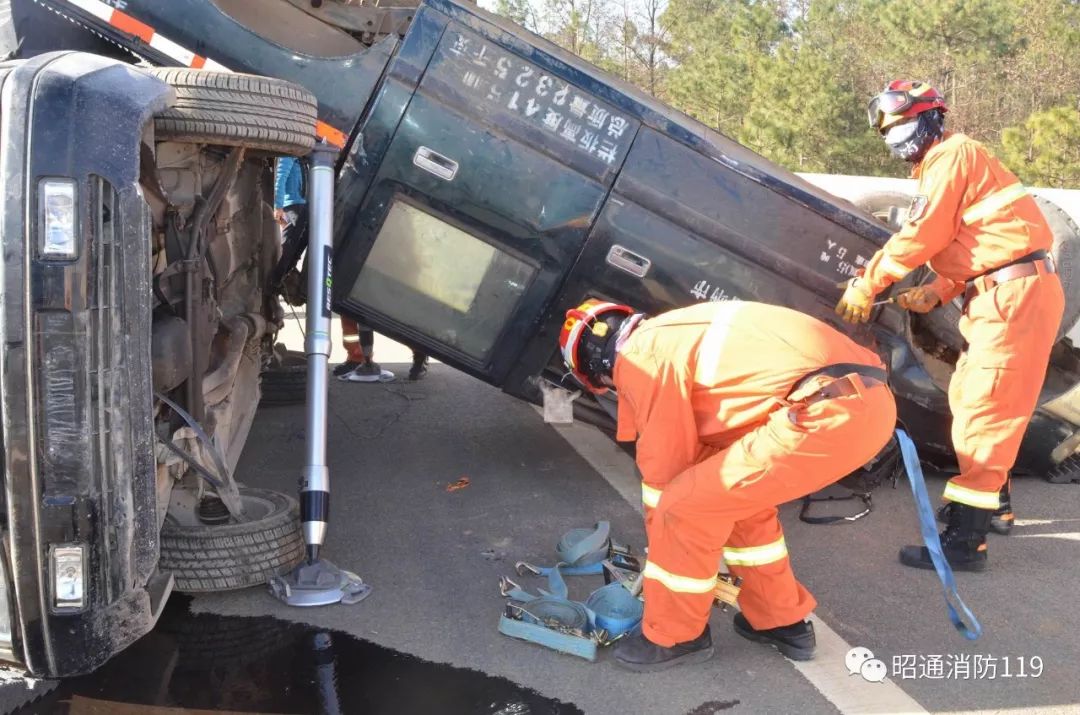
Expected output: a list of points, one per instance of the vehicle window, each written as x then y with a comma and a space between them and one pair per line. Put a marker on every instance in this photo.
441, 280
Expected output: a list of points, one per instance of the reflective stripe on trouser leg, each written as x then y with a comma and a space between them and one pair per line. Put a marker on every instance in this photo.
771, 596
996, 386
756, 555
350, 340
676, 583
972, 497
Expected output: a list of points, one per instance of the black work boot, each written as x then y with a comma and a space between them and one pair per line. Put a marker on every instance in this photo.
796, 641
1001, 521
963, 542
636, 652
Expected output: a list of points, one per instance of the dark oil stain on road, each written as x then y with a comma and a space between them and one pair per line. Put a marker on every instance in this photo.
713, 706
265, 665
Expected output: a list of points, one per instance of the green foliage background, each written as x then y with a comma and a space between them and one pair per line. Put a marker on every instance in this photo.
791, 78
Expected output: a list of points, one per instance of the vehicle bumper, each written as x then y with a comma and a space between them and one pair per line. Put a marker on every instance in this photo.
75, 364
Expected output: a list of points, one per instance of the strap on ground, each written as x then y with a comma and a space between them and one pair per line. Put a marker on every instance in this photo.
554, 621
581, 552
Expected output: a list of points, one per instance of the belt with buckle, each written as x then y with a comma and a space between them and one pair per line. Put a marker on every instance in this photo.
842, 384
1022, 267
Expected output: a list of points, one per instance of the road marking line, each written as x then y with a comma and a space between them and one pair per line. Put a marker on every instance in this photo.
1066, 535
827, 673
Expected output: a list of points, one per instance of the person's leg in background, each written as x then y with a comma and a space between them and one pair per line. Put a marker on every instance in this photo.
350, 340
359, 341
1010, 331
419, 364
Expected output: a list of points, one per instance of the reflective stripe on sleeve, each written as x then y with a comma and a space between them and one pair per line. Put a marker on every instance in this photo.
650, 496
893, 267
350, 338
678, 584
756, 555
971, 497
994, 202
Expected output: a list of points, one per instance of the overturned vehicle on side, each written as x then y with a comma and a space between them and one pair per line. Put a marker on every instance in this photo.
487, 182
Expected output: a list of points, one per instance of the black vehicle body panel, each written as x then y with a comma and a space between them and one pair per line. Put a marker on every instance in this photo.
710, 219
75, 359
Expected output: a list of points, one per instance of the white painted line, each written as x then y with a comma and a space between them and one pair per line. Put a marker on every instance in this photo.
850, 694
1066, 535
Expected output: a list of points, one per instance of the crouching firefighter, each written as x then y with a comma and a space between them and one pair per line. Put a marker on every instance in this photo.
736, 407
986, 239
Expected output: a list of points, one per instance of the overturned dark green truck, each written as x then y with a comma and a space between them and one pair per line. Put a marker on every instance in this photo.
487, 182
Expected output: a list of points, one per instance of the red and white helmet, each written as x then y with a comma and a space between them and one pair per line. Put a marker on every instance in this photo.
901, 100
588, 326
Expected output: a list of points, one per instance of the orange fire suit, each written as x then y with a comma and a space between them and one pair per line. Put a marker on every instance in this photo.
970, 216
722, 440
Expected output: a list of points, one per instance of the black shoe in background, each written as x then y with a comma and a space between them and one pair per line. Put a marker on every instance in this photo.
1001, 521
347, 366
796, 641
963, 542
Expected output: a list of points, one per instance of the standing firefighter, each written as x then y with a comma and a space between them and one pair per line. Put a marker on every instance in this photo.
985, 237
736, 407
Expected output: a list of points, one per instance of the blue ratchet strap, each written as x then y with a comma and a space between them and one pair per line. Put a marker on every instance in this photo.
933, 541
581, 552
554, 621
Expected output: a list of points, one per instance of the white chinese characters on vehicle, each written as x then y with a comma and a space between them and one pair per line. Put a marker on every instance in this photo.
705, 291
508, 83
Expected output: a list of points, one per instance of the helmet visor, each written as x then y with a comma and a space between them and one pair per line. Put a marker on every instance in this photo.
891, 102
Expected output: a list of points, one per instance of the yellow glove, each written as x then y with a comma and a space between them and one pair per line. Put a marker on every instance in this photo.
920, 299
855, 306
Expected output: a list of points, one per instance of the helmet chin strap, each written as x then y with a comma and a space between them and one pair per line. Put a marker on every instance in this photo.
599, 363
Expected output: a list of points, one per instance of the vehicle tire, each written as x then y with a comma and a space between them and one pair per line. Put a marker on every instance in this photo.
889, 207
944, 322
205, 558
1067, 472
231, 109
284, 383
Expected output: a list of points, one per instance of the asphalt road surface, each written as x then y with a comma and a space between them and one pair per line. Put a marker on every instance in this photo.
426, 640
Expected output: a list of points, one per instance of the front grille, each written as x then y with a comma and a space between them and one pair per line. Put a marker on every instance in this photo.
108, 402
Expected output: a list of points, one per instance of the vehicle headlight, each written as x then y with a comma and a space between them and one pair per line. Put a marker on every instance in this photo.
56, 208
68, 566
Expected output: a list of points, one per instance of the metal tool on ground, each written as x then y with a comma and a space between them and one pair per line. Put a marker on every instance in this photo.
577, 628
933, 541
317, 582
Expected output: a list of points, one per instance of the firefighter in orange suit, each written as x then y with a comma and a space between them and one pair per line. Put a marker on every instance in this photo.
736, 407
986, 239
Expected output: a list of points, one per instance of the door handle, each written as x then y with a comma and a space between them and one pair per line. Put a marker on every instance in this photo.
626, 260
435, 163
